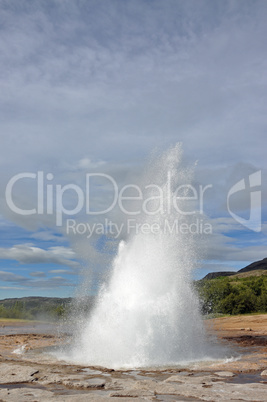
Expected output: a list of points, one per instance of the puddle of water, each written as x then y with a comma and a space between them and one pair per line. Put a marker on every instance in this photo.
21, 385
60, 390
18, 329
245, 378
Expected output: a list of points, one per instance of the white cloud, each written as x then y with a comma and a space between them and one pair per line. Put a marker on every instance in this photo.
10, 277
50, 283
47, 235
62, 271
28, 254
24, 282
130, 80
38, 274
97, 85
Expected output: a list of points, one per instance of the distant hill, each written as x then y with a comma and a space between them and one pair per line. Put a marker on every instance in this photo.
214, 275
36, 301
255, 266
257, 272
262, 264
44, 308
241, 292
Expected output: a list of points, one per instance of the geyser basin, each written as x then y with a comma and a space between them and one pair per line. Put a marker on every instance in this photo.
148, 313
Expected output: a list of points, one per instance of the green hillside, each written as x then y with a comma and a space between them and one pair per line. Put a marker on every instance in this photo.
34, 308
44, 308
237, 294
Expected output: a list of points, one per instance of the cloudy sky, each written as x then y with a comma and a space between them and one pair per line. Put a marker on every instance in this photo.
95, 87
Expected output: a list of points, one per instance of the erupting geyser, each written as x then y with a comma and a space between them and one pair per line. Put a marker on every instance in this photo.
148, 313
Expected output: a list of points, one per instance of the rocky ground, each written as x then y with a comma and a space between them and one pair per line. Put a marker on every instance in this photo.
31, 375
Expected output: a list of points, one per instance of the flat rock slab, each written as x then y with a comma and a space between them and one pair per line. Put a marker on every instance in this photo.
91, 383
75, 381
198, 379
25, 394
132, 393
199, 386
35, 395
15, 373
216, 391
225, 374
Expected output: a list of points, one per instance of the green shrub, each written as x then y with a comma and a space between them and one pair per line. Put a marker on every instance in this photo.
230, 295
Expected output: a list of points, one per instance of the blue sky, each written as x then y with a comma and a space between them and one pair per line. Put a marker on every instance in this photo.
96, 86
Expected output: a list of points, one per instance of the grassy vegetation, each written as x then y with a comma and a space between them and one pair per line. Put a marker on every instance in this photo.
44, 308
34, 310
230, 295
15, 320
233, 295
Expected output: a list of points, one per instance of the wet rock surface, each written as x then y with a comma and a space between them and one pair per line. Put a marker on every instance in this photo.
31, 375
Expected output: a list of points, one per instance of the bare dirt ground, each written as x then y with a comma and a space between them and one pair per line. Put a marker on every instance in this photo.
240, 324
29, 374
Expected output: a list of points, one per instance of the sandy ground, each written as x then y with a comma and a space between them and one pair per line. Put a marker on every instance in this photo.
29, 374
238, 325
